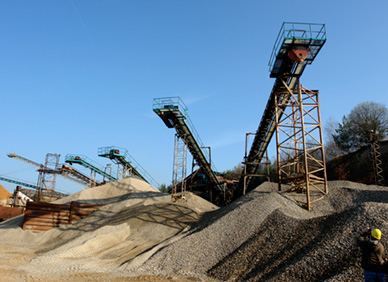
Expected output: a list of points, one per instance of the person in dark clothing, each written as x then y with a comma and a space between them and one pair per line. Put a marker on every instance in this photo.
372, 255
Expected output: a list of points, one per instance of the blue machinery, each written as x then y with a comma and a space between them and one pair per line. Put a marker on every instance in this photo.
27, 184
121, 157
90, 164
127, 163
118, 155
18, 182
65, 171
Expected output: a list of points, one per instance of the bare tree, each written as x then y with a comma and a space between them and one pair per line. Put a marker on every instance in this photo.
331, 148
354, 131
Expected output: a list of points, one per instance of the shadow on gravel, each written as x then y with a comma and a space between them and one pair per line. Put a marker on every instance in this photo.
288, 249
372, 196
174, 217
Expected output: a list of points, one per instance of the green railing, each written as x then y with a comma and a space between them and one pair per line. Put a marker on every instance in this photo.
111, 152
18, 182
305, 33
171, 103
117, 152
86, 162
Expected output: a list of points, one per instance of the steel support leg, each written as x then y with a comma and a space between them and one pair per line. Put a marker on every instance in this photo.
300, 152
179, 168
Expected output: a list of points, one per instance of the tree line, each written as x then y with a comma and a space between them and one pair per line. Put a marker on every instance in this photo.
349, 135
356, 128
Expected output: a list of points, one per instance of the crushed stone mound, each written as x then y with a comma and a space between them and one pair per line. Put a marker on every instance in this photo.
289, 249
264, 236
215, 245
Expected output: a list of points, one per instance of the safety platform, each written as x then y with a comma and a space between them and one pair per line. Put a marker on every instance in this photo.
170, 109
63, 170
128, 164
296, 44
174, 114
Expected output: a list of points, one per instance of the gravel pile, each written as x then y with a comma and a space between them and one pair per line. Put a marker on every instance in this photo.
264, 236
134, 222
267, 236
288, 249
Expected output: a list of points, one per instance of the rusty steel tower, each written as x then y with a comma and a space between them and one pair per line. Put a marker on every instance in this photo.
47, 176
375, 155
300, 151
293, 113
179, 168
174, 114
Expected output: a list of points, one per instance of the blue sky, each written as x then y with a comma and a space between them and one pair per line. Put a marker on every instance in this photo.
79, 75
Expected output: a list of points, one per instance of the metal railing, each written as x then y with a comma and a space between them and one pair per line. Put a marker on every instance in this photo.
177, 103
85, 161
113, 151
304, 32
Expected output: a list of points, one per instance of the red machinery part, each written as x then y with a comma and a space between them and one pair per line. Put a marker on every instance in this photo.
298, 55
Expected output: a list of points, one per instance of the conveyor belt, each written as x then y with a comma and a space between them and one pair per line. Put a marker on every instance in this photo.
66, 172
18, 182
292, 36
173, 112
74, 175
27, 184
121, 157
86, 162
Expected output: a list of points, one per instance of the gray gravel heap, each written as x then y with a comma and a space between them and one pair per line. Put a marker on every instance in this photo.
267, 236
288, 249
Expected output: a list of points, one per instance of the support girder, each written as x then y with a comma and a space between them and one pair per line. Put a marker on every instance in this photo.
174, 118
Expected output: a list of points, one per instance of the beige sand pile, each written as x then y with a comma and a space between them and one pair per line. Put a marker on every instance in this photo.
135, 221
4, 195
111, 192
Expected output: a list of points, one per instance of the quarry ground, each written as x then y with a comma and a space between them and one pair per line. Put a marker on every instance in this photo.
141, 235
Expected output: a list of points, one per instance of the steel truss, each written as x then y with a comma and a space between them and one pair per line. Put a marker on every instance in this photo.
124, 171
263, 162
179, 168
375, 154
47, 179
300, 152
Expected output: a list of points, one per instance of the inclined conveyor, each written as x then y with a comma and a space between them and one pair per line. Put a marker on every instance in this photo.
65, 171
76, 176
173, 112
27, 184
121, 157
88, 163
296, 46
18, 182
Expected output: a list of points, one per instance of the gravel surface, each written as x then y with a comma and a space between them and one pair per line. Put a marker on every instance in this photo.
264, 236
267, 236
